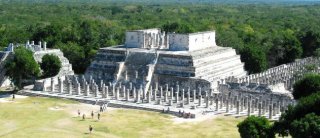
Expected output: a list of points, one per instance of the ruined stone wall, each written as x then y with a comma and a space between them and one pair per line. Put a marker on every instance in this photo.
191, 42
66, 68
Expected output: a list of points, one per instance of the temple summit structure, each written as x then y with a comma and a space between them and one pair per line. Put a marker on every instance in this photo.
152, 56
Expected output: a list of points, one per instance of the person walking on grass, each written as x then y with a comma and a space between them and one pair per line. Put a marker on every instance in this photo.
83, 116
92, 114
98, 116
90, 128
13, 97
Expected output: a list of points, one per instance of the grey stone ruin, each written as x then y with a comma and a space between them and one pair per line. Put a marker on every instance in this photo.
78, 88
149, 97
188, 97
171, 94
217, 104
87, 90
270, 111
60, 85
69, 87
52, 84
259, 106
194, 96
127, 95
249, 109
237, 106
106, 91
117, 93
200, 98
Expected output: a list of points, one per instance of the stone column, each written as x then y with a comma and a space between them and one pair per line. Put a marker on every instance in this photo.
152, 92
78, 88
171, 94
177, 97
200, 98
123, 91
106, 91
45, 46
52, 84
270, 111
127, 94
113, 90
70, 88
237, 106
134, 93
188, 97
143, 93
207, 101
194, 96
117, 93
249, 105
103, 91
221, 102
259, 109
138, 96
217, 104
96, 90
161, 92
148, 97
60, 81
166, 96
227, 105
241, 104
182, 96
87, 90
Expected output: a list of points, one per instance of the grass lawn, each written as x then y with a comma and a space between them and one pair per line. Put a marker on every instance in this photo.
34, 117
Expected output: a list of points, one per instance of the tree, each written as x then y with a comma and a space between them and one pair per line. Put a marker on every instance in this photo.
255, 127
50, 65
254, 58
75, 55
306, 86
22, 66
308, 127
306, 105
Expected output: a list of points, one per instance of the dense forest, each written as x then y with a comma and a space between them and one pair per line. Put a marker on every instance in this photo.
265, 35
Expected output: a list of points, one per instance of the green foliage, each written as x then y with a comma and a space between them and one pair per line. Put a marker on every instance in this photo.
254, 58
279, 33
306, 86
255, 127
306, 105
50, 65
308, 127
22, 66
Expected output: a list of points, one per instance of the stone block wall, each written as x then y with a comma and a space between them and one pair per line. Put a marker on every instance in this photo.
66, 68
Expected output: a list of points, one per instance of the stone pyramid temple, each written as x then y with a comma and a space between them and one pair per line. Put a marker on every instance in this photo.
151, 58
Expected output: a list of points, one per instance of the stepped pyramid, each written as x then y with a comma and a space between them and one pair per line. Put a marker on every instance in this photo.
38, 52
151, 57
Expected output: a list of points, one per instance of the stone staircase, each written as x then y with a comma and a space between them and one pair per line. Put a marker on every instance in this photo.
138, 69
106, 65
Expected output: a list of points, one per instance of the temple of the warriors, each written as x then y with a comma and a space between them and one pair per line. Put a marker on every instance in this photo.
155, 57
186, 75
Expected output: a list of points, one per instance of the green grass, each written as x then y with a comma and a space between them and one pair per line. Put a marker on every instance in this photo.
31, 117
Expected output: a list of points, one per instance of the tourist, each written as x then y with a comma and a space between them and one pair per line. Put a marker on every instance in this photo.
13, 97
98, 116
101, 109
92, 114
83, 116
79, 113
90, 128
